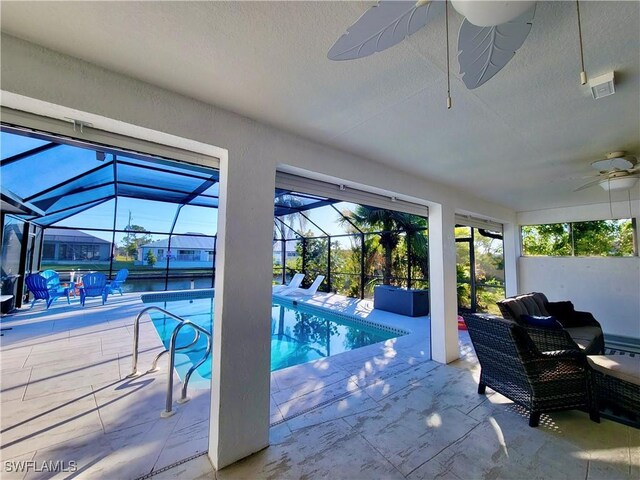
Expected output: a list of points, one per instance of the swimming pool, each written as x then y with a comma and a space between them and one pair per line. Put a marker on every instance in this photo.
298, 334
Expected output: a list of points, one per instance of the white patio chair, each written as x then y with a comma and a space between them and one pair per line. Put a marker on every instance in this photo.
295, 282
305, 292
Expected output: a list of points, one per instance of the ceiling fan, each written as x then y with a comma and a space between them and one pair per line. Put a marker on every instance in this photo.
618, 171
489, 36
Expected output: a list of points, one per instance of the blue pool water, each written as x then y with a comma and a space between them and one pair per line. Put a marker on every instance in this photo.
297, 335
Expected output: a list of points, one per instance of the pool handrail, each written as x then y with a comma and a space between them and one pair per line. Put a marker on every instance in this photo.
172, 354
136, 338
168, 411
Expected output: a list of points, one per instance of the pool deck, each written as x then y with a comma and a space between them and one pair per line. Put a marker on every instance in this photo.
65, 394
380, 412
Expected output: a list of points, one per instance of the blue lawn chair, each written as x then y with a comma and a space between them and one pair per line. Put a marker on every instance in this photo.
93, 285
52, 277
39, 286
117, 282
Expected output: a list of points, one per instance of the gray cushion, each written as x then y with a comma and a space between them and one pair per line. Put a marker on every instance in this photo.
530, 305
584, 336
541, 301
621, 367
527, 304
514, 307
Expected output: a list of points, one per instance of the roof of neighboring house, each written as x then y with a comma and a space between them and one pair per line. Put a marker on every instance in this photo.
73, 236
183, 241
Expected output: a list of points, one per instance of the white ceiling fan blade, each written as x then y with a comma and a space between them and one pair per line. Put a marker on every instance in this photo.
383, 26
590, 184
484, 51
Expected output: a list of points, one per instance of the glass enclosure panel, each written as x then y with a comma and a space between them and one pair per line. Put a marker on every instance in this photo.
53, 166
603, 238
76, 185
463, 273
420, 259
314, 258
346, 254
159, 179
552, 239
328, 220
72, 200
152, 216
291, 252
191, 259
100, 216
213, 190
12, 236
67, 250
87, 188
489, 271
462, 231
192, 219
33, 261
11, 144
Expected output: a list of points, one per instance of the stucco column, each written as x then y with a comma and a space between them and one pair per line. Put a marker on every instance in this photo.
511, 251
242, 319
442, 284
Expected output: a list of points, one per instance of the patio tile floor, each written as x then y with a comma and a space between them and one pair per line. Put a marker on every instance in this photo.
382, 411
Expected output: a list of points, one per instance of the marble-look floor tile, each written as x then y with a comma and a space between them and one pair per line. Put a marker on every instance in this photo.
132, 401
199, 468
13, 383
409, 436
15, 468
91, 455
356, 402
147, 440
184, 442
331, 450
50, 379
315, 397
291, 393
391, 384
33, 424
307, 372
501, 448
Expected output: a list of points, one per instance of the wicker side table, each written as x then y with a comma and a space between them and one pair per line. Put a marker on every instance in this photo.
616, 382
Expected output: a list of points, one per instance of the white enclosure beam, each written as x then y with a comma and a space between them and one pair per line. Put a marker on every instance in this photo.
442, 281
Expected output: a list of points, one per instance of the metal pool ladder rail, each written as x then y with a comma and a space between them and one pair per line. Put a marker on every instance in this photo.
168, 411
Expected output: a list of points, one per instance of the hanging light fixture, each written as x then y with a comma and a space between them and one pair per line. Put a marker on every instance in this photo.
618, 184
491, 13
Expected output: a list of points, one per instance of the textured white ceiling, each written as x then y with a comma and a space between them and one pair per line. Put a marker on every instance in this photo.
524, 139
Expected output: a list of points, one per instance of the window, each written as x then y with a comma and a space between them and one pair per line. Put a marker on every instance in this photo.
608, 238
48, 251
70, 251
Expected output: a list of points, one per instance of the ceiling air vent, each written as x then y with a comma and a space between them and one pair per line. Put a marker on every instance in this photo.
602, 86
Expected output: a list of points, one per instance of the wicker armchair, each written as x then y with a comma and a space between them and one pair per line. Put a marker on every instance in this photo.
581, 329
512, 365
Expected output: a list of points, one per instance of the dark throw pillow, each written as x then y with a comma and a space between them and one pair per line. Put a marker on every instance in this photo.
541, 322
563, 311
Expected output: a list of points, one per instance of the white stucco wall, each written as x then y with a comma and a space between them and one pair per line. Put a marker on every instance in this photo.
607, 287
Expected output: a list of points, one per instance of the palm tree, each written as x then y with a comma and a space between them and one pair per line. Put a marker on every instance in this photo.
390, 223
289, 200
